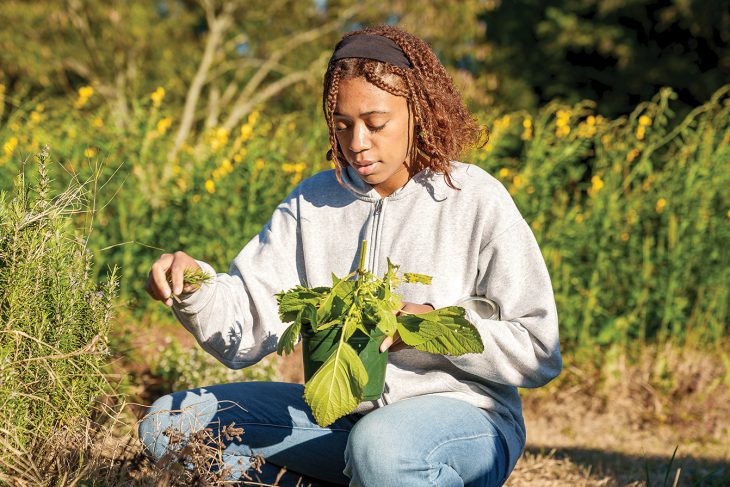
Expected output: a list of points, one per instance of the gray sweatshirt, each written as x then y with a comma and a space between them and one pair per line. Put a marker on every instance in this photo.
473, 242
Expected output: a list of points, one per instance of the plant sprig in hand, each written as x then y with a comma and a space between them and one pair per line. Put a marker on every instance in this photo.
191, 277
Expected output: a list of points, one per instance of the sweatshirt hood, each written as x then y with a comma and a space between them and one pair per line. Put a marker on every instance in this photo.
433, 182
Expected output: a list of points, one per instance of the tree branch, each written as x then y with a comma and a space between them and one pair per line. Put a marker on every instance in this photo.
218, 26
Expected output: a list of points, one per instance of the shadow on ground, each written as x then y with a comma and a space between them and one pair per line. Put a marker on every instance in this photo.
626, 468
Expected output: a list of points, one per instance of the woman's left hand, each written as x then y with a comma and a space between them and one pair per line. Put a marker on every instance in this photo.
394, 343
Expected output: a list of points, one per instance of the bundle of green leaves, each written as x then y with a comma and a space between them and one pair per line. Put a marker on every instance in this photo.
362, 301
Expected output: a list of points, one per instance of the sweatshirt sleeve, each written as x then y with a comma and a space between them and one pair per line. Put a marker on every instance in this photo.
521, 348
235, 317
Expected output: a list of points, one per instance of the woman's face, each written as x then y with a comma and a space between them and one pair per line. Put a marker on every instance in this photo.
373, 129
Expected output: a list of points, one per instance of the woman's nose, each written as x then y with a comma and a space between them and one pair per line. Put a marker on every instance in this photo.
360, 138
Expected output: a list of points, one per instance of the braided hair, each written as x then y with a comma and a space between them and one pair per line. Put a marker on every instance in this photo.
444, 127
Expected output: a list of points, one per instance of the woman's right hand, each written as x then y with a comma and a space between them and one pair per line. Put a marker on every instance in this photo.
174, 265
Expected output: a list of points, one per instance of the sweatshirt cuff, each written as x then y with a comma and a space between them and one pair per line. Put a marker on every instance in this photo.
193, 302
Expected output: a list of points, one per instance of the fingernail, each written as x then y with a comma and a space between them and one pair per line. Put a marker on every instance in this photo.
178, 290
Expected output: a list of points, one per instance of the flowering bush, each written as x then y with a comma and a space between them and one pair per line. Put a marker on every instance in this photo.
630, 213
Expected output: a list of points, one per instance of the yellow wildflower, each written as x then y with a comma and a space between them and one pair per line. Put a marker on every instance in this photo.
35, 117
518, 181
579, 218
226, 166
196, 198
85, 92
644, 121
624, 236
10, 145
633, 154
605, 139
288, 168
216, 174
97, 122
246, 131
237, 158
89, 152
157, 96
591, 120
71, 132
220, 138
660, 204
253, 118
562, 130
163, 125
527, 129
39, 107
596, 184
210, 186
259, 164
504, 172
640, 132
563, 118
586, 130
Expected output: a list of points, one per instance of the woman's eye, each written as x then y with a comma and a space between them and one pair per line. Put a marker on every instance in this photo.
341, 128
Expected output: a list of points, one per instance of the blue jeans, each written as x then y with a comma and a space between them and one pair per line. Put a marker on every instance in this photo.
424, 440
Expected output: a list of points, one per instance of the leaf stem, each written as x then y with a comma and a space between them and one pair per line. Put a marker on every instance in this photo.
361, 267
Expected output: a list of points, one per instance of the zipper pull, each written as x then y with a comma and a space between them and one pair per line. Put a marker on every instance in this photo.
378, 206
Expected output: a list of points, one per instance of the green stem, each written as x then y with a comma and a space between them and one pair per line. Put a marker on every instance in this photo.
361, 268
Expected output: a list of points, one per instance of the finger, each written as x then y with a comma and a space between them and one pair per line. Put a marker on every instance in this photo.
386, 343
159, 277
177, 272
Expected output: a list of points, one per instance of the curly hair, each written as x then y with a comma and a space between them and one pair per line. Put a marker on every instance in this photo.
444, 127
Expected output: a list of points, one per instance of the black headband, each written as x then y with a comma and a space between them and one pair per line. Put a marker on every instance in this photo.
369, 46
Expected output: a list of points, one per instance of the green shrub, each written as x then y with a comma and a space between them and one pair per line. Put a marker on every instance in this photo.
186, 368
53, 317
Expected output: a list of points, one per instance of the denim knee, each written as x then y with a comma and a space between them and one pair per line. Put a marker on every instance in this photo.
184, 412
374, 456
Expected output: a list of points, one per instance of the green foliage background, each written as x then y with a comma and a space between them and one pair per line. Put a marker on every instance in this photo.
622, 180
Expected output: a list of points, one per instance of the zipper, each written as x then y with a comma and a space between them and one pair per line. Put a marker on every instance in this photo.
374, 251
375, 236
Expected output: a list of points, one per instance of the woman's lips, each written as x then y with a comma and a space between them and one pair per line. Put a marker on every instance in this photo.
365, 168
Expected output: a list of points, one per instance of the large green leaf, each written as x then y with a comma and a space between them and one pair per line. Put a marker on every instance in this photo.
332, 306
292, 301
336, 388
387, 321
443, 331
288, 338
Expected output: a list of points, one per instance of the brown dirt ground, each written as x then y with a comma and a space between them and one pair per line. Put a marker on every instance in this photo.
592, 427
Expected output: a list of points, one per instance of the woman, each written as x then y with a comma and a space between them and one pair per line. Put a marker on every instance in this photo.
396, 125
